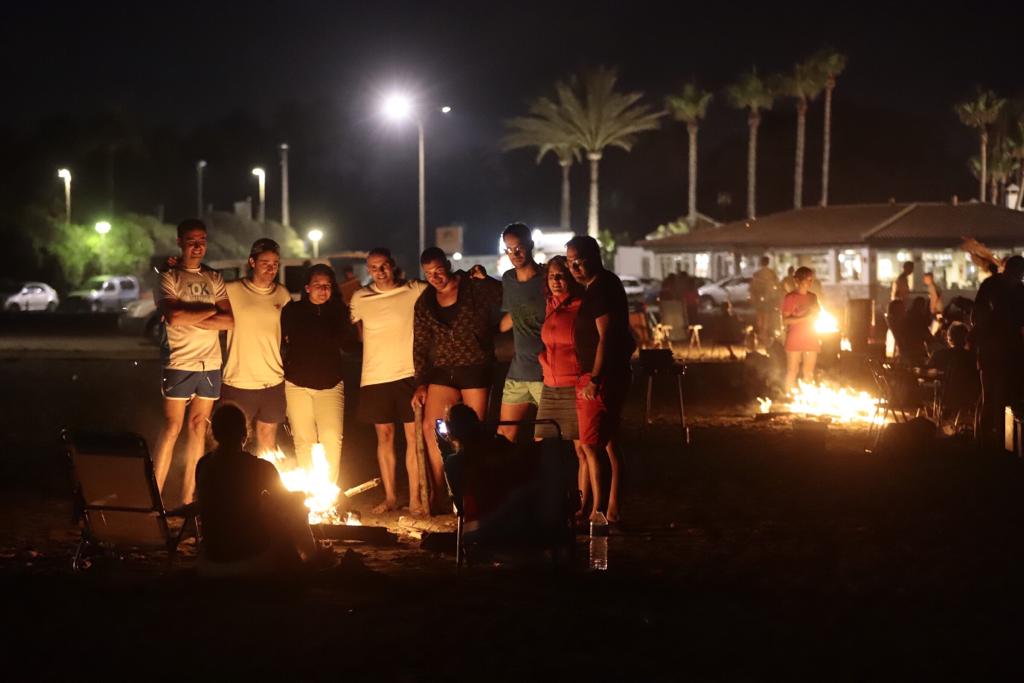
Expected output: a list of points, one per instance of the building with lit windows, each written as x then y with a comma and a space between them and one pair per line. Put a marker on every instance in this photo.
855, 250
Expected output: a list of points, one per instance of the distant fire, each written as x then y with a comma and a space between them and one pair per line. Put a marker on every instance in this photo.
840, 404
826, 323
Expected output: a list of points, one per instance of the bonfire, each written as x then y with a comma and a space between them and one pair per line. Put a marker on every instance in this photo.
321, 493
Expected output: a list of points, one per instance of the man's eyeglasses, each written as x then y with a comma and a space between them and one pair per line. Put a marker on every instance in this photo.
577, 262
516, 251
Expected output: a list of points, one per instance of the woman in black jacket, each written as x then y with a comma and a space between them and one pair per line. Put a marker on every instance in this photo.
313, 331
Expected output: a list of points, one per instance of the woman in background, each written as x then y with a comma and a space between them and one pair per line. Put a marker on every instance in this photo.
799, 310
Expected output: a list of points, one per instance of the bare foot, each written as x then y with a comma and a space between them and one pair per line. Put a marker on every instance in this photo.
418, 512
386, 506
613, 517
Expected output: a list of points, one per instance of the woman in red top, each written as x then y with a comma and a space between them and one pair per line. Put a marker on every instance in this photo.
799, 311
558, 361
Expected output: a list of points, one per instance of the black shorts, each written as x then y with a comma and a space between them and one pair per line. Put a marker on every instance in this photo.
462, 377
264, 405
386, 403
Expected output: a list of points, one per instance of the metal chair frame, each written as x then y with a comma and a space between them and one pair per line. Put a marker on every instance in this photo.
133, 446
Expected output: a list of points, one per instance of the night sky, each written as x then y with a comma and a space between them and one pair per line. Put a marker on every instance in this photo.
195, 77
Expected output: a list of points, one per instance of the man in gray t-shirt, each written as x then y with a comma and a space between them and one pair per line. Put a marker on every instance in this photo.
523, 303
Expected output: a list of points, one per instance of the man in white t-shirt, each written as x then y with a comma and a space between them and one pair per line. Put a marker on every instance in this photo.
383, 313
195, 307
253, 372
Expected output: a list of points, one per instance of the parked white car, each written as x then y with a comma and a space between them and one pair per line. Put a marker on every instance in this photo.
104, 293
636, 293
29, 296
735, 289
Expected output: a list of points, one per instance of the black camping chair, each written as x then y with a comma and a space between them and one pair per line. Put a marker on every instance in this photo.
559, 538
116, 497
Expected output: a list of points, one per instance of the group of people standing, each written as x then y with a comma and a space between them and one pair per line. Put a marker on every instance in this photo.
425, 344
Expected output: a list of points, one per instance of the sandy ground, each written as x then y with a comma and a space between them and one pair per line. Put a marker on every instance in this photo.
752, 553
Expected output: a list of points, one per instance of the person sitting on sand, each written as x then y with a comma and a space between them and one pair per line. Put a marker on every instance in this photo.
250, 522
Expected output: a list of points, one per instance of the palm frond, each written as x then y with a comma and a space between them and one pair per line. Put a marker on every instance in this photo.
752, 92
689, 106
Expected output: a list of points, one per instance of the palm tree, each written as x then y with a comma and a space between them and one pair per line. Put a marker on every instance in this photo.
545, 128
754, 94
598, 117
803, 84
830, 64
979, 113
690, 107
1000, 169
1017, 147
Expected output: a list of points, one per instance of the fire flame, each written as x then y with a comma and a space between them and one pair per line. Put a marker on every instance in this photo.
826, 323
321, 493
845, 345
841, 404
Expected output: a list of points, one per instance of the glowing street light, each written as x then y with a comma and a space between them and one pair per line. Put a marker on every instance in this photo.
261, 175
65, 175
103, 227
399, 107
315, 235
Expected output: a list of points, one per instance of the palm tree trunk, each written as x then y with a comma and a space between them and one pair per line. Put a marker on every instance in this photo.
753, 121
993, 195
984, 166
592, 225
564, 220
826, 145
1020, 186
798, 163
691, 216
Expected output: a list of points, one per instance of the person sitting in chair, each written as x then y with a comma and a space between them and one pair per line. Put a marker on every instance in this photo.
250, 522
960, 385
499, 486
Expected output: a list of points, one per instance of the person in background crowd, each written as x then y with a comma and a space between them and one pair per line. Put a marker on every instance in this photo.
934, 294
195, 307
383, 312
251, 523
789, 282
916, 333
453, 347
901, 285
668, 288
604, 346
560, 366
999, 335
799, 310
523, 304
690, 296
254, 372
349, 284
895, 313
478, 272
313, 331
764, 295
960, 384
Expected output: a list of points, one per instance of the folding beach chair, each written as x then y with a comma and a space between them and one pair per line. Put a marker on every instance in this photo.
563, 502
116, 497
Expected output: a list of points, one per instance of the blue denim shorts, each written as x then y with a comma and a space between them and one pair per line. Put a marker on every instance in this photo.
182, 385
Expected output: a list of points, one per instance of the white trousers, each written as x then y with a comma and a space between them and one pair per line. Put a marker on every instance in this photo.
317, 416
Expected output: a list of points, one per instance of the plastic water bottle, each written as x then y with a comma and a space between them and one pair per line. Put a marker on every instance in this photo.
599, 542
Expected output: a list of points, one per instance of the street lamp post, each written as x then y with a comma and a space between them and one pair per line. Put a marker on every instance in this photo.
261, 175
398, 107
285, 218
315, 235
200, 165
65, 175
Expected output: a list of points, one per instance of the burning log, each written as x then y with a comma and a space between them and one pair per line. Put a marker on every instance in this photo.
362, 488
